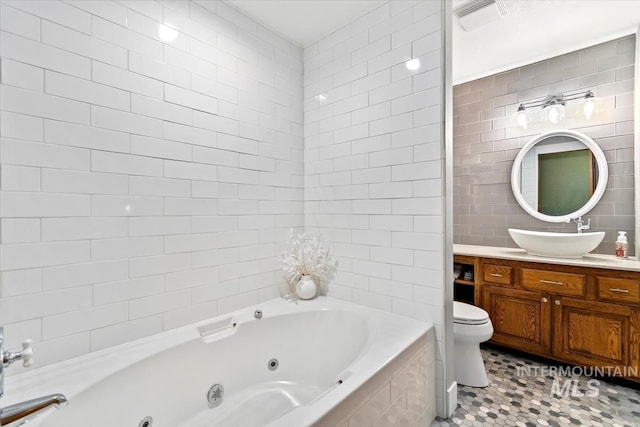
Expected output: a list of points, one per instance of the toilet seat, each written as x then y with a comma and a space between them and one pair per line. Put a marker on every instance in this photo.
467, 314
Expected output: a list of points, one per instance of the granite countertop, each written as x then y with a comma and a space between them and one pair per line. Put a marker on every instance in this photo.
516, 254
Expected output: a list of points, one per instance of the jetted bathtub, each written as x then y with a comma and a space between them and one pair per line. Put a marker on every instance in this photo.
289, 365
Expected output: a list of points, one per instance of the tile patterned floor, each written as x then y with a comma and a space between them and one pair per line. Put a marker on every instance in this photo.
527, 400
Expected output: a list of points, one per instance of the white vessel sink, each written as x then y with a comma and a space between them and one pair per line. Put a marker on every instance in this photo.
556, 245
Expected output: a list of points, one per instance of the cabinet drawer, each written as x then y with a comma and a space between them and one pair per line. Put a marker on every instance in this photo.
554, 282
500, 274
617, 289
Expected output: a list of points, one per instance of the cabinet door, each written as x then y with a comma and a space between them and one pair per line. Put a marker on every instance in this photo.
634, 342
592, 333
521, 319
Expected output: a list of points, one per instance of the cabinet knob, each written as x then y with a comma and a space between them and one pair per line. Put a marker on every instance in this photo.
544, 299
558, 302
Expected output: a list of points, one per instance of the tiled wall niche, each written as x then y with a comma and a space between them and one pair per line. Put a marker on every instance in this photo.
373, 159
145, 185
485, 143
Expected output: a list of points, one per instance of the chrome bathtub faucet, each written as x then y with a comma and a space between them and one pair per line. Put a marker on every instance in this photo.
7, 357
29, 409
581, 224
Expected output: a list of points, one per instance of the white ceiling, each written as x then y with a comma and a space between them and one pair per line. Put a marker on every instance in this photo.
534, 30
531, 31
305, 21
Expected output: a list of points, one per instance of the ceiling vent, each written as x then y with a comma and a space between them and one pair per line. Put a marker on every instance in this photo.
476, 13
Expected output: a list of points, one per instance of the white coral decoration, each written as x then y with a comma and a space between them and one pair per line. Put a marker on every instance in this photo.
306, 256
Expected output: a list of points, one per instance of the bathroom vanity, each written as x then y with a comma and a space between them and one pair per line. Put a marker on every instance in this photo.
582, 311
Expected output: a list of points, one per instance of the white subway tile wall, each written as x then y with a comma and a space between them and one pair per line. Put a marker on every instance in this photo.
373, 159
144, 184
486, 143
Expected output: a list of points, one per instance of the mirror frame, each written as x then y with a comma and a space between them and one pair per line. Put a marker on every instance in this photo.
603, 175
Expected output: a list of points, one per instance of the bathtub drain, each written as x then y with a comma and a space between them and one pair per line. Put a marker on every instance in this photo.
146, 422
273, 364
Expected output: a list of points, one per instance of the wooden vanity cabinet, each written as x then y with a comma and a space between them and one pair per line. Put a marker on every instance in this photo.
618, 289
467, 290
557, 282
498, 273
591, 333
580, 315
521, 319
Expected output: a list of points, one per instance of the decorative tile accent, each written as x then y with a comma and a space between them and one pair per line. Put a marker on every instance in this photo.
530, 401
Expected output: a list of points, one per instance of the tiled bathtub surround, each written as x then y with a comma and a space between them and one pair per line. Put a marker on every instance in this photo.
486, 143
145, 185
402, 394
373, 158
149, 184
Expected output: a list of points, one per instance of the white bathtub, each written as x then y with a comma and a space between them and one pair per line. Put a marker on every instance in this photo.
326, 349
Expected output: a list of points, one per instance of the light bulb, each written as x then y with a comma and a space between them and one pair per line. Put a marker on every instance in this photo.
590, 106
413, 64
588, 109
554, 113
521, 117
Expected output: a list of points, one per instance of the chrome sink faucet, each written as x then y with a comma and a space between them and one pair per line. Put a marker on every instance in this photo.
581, 224
20, 413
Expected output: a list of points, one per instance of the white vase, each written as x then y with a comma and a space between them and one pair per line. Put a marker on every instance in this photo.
306, 288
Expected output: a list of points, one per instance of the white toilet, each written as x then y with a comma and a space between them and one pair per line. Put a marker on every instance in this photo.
471, 326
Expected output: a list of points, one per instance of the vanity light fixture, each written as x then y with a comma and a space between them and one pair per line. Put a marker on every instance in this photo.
521, 117
590, 105
554, 108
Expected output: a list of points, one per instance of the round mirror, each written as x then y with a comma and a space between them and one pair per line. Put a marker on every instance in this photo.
559, 175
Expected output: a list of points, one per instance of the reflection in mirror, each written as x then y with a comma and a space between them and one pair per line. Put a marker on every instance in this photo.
559, 175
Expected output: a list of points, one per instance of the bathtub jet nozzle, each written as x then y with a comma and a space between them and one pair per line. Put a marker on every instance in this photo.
215, 395
257, 314
146, 422
273, 364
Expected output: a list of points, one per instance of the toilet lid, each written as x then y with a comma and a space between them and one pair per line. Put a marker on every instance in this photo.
469, 314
